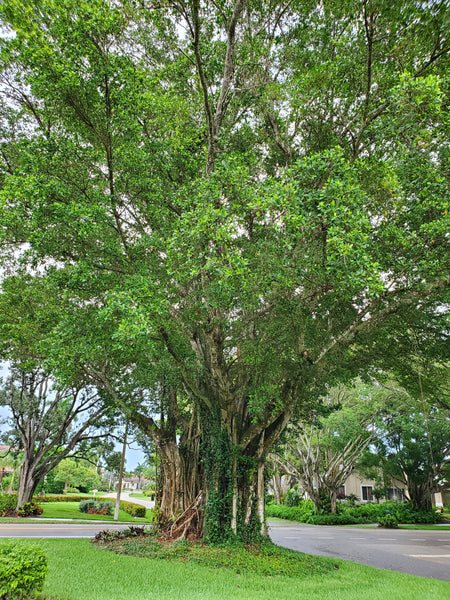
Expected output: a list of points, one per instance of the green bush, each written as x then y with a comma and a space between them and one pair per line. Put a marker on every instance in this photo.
22, 571
293, 497
106, 504
61, 498
86, 505
349, 514
101, 507
299, 513
388, 521
135, 510
337, 519
7, 503
29, 509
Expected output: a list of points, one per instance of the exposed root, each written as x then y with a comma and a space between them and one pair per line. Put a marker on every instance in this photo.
188, 526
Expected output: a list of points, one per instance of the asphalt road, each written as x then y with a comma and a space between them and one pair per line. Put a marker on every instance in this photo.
417, 552
55, 530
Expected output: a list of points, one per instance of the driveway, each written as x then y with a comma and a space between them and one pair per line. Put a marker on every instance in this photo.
417, 552
126, 496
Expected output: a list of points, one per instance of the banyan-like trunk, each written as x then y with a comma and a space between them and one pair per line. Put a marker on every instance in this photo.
181, 479
27, 484
420, 494
234, 450
234, 498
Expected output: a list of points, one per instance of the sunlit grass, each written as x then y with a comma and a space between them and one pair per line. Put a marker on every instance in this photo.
69, 510
79, 570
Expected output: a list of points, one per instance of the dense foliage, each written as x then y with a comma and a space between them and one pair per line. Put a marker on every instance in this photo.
22, 571
349, 514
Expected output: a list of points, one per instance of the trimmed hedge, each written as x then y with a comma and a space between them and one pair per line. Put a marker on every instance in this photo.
62, 498
135, 510
351, 515
22, 571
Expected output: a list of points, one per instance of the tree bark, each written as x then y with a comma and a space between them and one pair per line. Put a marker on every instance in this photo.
27, 484
420, 494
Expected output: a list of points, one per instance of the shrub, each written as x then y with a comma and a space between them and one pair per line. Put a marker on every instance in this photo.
107, 535
135, 510
299, 513
61, 498
388, 521
293, 497
106, 505
29, 509
348, 514
336, 519
86, 505
96, 507
8, 504
22, 571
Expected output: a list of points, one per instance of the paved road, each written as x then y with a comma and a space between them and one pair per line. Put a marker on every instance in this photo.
418, 552
55, 530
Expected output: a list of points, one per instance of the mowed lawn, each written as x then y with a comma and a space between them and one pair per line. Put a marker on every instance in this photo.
78, 570
69, 510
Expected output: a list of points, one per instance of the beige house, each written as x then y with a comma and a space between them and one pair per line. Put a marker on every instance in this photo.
356, 485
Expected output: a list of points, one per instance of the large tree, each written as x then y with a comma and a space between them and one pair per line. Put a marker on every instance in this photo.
242, 201
413, 445
47, 424
46, 420
321, 454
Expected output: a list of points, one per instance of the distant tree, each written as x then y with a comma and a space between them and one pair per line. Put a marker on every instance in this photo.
321, 455
10, 461
413, 445
112, 464
139, 471
47, 422
77, 474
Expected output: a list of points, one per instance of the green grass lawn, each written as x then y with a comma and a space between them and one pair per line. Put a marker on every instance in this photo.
78, 570
69, 510
140, 496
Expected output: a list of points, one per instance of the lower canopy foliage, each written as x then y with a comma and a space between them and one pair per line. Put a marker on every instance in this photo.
210, 192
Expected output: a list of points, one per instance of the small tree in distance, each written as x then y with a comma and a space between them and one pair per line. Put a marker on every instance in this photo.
47, 424
321, 455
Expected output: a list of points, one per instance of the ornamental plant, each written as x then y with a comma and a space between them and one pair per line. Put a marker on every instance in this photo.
22, 571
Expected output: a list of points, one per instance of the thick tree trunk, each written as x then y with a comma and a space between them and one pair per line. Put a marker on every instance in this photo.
420, 494
27, 484
333, 501
181, 479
